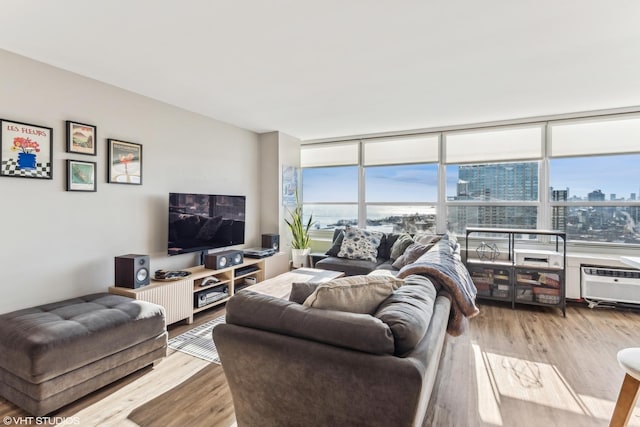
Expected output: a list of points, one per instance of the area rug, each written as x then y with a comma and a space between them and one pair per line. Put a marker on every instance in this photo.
198, 341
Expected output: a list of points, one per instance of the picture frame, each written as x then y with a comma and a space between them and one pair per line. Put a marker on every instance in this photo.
25, 150
124, 162
81, 175
81, 138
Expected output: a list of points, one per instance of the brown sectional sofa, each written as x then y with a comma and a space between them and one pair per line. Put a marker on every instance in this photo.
289, 365
53, 354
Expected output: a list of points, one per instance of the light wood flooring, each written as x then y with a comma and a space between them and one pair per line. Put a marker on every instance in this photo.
523, 367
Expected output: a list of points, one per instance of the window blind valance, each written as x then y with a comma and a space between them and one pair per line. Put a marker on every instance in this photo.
494, 145
329, 154
401, 150
603, 136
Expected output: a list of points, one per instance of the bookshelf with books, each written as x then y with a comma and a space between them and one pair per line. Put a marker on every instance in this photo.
500, 272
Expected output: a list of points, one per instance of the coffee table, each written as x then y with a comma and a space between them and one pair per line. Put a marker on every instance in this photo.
280, 286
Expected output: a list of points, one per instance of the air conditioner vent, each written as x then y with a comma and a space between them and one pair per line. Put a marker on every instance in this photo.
610, 284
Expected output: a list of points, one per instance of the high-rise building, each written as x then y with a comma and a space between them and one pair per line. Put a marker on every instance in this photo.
501, 181
632, 196
596, 196
559, 213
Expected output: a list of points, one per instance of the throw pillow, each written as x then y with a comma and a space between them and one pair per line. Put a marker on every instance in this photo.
426, 238
408, 312
335, 247
360, 244
413, 252
355, 294
300, 291
400, 245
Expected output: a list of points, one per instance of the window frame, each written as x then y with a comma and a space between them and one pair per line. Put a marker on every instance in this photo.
544, 204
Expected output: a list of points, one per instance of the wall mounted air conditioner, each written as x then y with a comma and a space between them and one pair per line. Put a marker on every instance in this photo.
610, 284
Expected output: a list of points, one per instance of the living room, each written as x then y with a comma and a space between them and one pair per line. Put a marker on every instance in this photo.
254, 84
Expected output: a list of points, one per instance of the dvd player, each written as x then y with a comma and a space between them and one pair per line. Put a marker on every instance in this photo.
259, 252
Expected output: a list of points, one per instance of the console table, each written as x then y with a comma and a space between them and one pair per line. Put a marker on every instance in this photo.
177, 297
518, 282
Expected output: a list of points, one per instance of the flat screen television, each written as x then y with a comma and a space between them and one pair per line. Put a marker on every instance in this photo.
199, 222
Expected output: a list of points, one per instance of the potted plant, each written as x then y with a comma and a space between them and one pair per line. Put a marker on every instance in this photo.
300, 240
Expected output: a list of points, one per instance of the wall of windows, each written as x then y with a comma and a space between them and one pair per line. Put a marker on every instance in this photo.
577, 175
594, 179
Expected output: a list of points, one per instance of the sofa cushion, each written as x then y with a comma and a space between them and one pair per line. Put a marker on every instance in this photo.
411, 254
387, 265
400, 245
356, 294
408, 311
356, 331
360, 244
350, 267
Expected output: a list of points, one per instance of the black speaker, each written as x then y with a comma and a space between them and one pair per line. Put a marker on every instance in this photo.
271, 241
132, 271
223, 259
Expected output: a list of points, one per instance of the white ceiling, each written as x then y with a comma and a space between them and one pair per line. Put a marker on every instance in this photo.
325, 68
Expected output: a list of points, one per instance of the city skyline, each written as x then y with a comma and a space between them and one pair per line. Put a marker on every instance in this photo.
616, 175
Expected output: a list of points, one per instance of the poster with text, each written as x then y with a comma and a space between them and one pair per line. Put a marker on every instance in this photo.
25, 150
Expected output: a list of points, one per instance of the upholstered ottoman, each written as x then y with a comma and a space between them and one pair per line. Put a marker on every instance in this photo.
53, 354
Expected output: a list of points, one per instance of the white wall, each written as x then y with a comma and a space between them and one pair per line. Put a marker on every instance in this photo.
57, 244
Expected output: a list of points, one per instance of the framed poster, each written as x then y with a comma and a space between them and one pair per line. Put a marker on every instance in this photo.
81, 176
25, 150
289, 185
81, 138
125, 162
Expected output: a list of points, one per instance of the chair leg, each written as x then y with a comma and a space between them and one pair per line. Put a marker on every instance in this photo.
626, 402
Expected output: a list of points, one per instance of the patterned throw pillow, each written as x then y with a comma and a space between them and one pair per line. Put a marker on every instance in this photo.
360, 244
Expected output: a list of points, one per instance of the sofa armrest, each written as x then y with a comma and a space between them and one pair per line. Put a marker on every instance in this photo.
317, 256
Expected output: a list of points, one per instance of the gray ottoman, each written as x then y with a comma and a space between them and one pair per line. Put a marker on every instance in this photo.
53, 354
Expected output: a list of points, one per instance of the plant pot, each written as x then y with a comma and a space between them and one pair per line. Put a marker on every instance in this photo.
300, 257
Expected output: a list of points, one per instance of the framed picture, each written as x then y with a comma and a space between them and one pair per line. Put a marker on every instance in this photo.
25, 150
125, 162
81, 175
81, 138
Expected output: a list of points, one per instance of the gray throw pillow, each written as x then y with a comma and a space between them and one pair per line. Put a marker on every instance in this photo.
411, 254
335, 247
408, 311
300, 291
400, 245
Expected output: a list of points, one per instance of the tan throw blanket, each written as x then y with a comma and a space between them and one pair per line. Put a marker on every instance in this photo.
444, 267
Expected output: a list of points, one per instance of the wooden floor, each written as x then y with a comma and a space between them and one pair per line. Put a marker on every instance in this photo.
524, 367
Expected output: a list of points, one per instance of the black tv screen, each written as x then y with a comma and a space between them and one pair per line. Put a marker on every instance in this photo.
198, 222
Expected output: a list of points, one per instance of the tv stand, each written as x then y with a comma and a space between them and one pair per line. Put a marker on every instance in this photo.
177, 297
